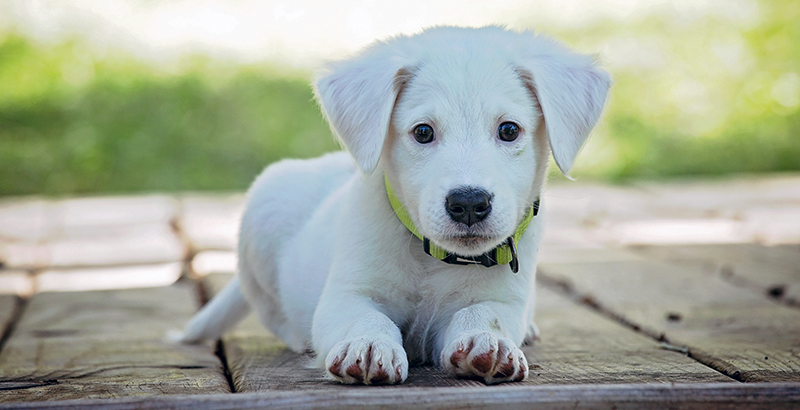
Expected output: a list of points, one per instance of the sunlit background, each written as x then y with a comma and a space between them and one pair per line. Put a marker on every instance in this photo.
132, 96
130, 130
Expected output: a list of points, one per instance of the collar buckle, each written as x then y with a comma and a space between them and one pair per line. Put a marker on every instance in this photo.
514, 264
487, 259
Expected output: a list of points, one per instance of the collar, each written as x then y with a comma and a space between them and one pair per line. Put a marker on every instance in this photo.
505, 253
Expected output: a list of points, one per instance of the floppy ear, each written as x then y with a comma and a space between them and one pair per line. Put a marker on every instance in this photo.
358, 97
571, 91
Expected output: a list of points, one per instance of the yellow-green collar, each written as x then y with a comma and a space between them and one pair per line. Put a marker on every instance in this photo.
503, 254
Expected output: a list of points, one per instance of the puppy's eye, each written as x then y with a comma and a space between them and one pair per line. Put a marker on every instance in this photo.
508, 131
423, 133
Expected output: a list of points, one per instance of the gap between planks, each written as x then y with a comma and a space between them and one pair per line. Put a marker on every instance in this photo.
565, 288
203, 297
13, 319
730, 329
580, 347
741, 265
106, 344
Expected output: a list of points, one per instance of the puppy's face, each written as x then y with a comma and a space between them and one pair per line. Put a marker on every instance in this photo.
466, 152
462, 121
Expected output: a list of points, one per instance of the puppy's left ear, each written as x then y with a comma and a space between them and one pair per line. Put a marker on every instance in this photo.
358, 97
571, 91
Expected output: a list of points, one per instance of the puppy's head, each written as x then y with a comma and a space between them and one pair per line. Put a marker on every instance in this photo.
461, 121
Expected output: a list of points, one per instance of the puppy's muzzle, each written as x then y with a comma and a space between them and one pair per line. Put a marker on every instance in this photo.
468, 205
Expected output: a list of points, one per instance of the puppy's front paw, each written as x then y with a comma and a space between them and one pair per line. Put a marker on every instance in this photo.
485, 356
368, 361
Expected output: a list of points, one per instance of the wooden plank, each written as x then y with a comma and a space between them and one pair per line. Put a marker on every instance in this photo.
550, 253
207, 262
8, 304
577, 213
88, 231
24, 219
772, 270
775, 224
120, 245
16, 282
95, 216
577, 347
580, 346
259, 361
120, 277
742, 210
106, 344
764, 207
734, 330
212, 222
729, 195
507, 397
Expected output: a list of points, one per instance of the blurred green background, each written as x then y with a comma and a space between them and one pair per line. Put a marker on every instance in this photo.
701, 98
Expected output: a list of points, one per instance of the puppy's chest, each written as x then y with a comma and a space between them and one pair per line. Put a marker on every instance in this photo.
430, 307
443, 285
443, 291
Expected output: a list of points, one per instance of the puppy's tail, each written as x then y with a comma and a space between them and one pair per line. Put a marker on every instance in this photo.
218, 316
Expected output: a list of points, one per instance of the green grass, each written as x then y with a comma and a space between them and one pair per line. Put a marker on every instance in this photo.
131, 129
72, 123
709, 98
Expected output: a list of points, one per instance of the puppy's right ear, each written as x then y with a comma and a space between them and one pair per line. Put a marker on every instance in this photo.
358, 97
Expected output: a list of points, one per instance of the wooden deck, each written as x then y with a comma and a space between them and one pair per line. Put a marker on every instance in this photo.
681, 295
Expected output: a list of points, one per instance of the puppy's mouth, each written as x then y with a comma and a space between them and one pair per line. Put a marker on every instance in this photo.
470, 240
470, 243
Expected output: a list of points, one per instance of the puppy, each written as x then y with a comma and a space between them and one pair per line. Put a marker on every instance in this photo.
419, 244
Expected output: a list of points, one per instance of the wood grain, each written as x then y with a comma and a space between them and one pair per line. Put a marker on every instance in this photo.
737, 331
774, 271
7, 305
259, 361
506, 397
106, 344
578, 346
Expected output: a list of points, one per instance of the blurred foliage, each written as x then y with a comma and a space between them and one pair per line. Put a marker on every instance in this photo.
698, 97
716, 95
71, 124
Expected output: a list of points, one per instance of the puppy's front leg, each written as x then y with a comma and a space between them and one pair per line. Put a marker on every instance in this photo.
478, 343
363, 345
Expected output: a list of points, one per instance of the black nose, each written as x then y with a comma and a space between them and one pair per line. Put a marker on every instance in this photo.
468, 205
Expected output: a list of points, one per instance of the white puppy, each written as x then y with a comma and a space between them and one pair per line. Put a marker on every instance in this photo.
455, 126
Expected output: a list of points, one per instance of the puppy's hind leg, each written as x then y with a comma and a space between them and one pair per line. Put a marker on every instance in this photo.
219, 315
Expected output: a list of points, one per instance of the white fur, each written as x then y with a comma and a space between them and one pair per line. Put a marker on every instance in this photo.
328, 265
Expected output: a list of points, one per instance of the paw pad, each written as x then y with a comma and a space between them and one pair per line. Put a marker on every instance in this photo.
493, 359
368, 361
